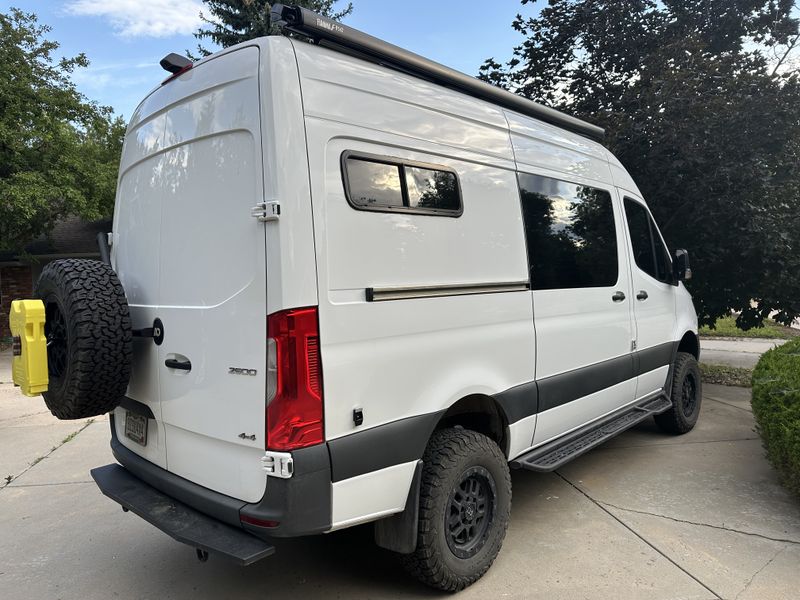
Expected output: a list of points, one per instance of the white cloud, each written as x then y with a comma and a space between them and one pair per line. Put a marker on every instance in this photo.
143, 18
99, 78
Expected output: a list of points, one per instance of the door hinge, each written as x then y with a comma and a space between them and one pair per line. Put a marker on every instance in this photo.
633, 345
267, 211
278, 464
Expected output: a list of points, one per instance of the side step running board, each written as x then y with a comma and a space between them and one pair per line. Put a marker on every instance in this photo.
176, 519
557, 453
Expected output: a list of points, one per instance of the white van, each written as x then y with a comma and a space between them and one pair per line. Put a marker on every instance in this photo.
361, 286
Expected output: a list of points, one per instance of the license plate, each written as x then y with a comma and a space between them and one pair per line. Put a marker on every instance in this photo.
136, 428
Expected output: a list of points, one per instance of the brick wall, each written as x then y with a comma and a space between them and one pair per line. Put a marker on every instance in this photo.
15, 283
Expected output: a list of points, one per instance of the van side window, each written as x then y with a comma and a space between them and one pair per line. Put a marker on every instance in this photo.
570, 231
373, 183
432, 189
389, 184
649, 251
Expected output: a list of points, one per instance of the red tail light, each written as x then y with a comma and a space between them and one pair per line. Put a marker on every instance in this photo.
294, 400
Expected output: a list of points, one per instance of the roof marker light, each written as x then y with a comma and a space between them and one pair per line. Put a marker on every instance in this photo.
175, 64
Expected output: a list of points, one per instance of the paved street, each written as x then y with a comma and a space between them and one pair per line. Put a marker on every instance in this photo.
742, 352
645, 516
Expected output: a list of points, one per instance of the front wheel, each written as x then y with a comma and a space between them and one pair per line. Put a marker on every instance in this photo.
465, 503
687, 395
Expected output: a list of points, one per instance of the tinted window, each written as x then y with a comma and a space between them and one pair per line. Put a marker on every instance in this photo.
641, 240
374, 183
391, 184
649, 251
572, 240
663, 264
431, 189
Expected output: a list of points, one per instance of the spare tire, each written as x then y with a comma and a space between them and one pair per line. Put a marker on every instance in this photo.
88, 330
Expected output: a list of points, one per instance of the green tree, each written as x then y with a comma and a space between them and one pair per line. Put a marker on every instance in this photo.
700, 104
236, 21
59, 153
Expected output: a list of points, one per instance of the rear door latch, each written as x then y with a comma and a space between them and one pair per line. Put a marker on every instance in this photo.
267, 211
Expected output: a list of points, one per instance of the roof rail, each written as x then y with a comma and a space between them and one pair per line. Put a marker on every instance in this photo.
330, 33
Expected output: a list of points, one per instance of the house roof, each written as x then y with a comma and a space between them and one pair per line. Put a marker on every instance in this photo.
71, 235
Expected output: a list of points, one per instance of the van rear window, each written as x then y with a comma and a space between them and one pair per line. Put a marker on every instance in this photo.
388, 184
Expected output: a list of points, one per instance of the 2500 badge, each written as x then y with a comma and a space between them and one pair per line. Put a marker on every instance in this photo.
238, 371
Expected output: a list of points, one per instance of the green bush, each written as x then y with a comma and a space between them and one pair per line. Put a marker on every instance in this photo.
776, 406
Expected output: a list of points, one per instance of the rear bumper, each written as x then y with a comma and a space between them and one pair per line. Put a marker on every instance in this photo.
174, 518
300, 505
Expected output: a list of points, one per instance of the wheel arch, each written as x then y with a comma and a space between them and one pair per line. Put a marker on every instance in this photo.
690, 344
481, 413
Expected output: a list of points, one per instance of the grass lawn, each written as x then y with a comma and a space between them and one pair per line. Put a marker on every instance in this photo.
726, 327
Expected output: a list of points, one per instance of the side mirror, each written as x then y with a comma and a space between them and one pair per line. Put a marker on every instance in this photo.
683, 272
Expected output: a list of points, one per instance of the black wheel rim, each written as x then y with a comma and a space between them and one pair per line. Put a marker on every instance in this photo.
470, 512
55, 330
689, 395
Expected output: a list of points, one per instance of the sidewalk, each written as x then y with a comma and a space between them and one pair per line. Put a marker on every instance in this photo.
5, 366
735, 352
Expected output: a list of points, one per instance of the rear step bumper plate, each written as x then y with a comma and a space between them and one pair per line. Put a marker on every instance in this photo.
177, 520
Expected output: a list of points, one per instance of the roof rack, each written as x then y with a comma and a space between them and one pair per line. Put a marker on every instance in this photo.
330, 33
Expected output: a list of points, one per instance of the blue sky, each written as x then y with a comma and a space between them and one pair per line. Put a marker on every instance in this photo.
125, 39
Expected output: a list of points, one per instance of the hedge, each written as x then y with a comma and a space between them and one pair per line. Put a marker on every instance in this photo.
776, 406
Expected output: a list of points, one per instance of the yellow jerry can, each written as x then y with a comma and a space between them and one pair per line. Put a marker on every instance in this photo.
29, 361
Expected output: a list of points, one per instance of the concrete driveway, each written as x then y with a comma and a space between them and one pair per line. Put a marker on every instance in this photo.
645, 516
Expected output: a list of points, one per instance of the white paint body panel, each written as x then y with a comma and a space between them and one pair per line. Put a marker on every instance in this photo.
371, 496
655, 317
188, 252
269, 120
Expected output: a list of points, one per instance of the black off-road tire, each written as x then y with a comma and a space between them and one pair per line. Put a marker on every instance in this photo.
455, 458
88, 328
687, 395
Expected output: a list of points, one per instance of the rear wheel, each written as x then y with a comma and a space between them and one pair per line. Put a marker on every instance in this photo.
465, 502
88, 331
687, 395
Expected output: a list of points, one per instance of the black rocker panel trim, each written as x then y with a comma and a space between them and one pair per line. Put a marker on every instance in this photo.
655, 357
405, 440
566, 387
538, 396
383, 446
519, 401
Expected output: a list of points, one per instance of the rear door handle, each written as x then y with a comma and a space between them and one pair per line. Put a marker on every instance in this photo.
618, 297
183, 365
642, 295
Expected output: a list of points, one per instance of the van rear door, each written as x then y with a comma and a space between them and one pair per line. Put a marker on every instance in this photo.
210, 275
